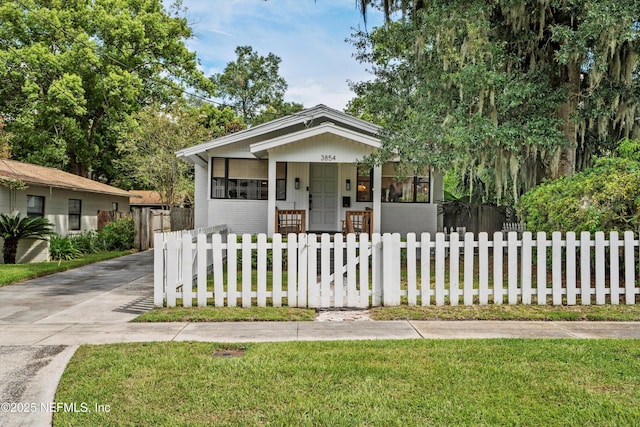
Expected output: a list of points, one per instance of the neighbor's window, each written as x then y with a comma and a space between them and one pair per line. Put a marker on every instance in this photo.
75, 211
412, 189
114, 206
365, 184
35, 206
245, 179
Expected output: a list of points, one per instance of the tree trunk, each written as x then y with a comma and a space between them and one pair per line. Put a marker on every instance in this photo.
10, 250
566, 111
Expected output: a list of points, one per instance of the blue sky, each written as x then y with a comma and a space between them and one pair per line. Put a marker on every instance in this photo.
308, 36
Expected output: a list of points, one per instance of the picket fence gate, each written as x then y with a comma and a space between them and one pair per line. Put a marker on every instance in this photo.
362, 271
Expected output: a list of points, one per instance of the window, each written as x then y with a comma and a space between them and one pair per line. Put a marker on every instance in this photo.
35, 206
246, 179
412, 189
114, 206
75, 211
365, 184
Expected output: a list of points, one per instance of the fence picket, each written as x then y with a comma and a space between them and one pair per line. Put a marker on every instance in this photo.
160, 274
614, 266
556, 267
202, 270
262, 270
454, 268
325, 270
352, 297
364, 268
391, 269
440, 266
541, 255
412, 288
425, 269
246, 270
187, 271
570, 267
469, 248
172, 269
292, 270
303, 262
512, 262
312, 271
600, 289
629, 268
483, 268
585, 268
526, 262
498, 278
218, 279
338, 270
276, 271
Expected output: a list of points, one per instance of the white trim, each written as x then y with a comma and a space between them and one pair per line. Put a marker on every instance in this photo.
325, 128
304, 116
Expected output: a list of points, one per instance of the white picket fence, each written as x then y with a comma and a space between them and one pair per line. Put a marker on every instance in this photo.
308, 270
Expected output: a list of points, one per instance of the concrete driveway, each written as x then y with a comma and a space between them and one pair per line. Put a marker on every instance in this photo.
113, 291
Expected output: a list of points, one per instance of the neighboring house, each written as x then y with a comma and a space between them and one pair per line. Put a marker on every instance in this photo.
145, 199
307, 161
68, 201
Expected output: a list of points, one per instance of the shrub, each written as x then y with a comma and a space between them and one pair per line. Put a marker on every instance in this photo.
88, 242
603, 198
62, 248
118, 235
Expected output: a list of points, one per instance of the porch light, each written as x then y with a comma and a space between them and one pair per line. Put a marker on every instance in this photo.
348, 185
297, 183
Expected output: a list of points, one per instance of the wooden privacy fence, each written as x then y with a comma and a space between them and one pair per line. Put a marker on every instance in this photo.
330, 271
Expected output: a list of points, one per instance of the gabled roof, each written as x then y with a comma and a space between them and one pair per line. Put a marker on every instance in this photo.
305, 119
50, 177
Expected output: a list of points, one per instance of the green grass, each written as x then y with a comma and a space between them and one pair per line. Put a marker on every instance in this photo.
362, 383
226, 314
509, 312
13, 273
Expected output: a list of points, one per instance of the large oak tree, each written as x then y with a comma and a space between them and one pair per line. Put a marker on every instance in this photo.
508, 91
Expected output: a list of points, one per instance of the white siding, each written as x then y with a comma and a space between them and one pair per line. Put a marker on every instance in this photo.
241, 216
406, 218
201, 195
29, 250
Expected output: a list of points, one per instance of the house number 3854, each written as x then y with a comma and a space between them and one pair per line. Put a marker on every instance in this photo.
327, 157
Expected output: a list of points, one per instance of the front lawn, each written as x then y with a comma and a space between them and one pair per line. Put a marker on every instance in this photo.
361, 383
13, 273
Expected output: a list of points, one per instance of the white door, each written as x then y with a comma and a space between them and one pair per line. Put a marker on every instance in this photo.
323, 197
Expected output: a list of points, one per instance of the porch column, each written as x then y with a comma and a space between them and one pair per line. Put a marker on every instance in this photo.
271, 203
377, 197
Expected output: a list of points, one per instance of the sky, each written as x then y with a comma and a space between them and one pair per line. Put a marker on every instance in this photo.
308, 36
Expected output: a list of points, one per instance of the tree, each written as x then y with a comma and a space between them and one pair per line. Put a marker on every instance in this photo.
4, 141
15, 228
276, 110
509, 92
75, 72
149, 146
251, 83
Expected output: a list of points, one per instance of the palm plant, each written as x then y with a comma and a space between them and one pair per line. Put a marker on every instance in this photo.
13, 228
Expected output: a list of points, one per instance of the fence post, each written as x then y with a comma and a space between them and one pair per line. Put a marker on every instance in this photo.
391, 269
159, 272
172, 269
303, 263
292, 269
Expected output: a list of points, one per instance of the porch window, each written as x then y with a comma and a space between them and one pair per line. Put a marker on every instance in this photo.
35, 206
245, 179
75, 211
412, 189
364, 184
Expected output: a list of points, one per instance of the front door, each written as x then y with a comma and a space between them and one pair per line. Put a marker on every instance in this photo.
323, 197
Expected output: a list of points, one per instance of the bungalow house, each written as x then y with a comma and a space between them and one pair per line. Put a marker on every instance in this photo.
68, 201
308, 162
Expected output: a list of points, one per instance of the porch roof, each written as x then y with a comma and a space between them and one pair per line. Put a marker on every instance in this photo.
291, 128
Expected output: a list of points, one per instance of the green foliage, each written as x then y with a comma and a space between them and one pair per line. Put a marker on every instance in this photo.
251, 84
73, 73
507, 92
14, 228
605, 197
62, 248
118, 235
